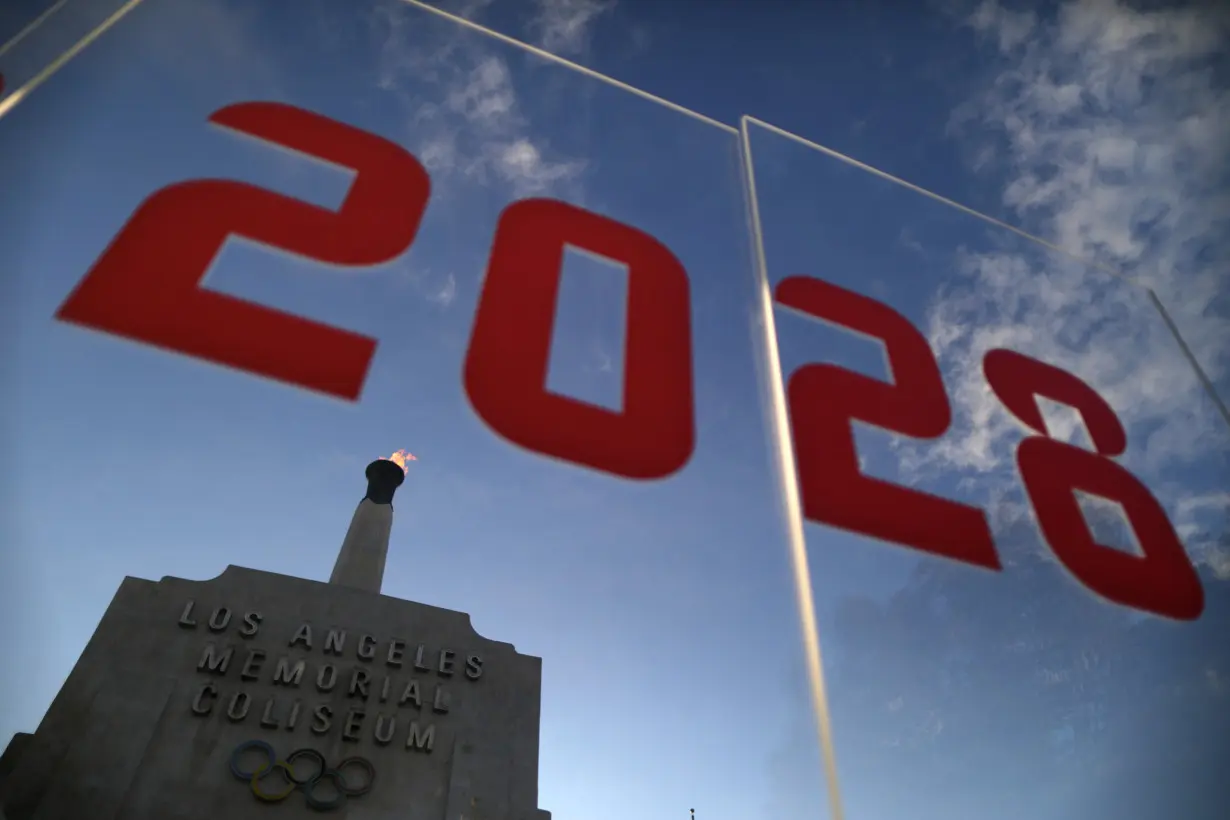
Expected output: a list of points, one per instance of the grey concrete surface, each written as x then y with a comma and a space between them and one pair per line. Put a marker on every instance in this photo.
179, 673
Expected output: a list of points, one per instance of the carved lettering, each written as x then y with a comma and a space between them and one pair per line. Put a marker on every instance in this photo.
219, 619
302, 635
294, 716
445, 667
421, 740
212, 661
358, 684
288, 675
252, 664
354, 720
397, 648
199, 704
322, 719
386, 725
267, 718
238, 708
251, 624
326, 677
411, 694
334, 641
362, 684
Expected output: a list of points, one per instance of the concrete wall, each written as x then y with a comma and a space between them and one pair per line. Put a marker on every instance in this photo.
145, 726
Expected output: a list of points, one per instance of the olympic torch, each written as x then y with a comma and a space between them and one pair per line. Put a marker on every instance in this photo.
360, 563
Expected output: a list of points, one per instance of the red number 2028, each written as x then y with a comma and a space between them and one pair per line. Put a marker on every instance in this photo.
146, 286
825, 398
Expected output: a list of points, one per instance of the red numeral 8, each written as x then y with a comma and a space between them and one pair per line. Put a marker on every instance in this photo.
1162, 580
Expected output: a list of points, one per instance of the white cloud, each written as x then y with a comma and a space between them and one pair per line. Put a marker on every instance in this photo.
1216, 502
468, 9
485, 98
445, 293
522, 164
440, 289
1109, 127
1201, 522
464, 115
565, 26
1108, 123
907, 240
1112, 128
1070, 317
1009, 28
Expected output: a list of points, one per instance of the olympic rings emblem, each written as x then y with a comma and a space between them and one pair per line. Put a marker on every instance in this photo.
257, 779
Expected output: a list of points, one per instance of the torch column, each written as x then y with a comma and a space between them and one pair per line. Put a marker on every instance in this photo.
360, 563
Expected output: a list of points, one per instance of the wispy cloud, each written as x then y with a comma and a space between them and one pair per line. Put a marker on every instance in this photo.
1076, 319
599, 360
907, 240
1111, 127
464, 113
445, 293
1203, 522
565, 27
1006, 27
438, 288
1112, 132
1108, 126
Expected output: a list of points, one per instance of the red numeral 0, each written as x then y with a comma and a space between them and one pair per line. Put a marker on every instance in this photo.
1162, 580
146, 285
506, 366
825, 398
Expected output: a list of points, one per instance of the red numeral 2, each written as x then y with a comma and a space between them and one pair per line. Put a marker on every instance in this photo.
825, 398
146, 284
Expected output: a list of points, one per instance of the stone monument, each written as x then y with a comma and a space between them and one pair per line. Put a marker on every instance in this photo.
257, 695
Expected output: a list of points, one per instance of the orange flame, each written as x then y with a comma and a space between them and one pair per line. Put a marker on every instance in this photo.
400, 458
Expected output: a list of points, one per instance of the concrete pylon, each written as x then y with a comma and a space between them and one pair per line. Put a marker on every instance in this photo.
360, 563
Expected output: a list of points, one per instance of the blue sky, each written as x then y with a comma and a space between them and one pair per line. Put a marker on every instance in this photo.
664, 611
